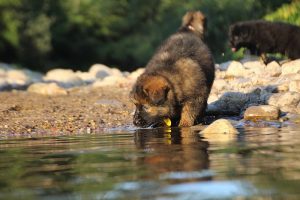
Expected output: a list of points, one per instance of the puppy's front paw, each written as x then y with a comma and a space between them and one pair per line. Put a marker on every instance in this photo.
186, 122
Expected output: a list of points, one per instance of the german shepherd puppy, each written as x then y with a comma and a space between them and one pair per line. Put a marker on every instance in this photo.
178, 78
262, 37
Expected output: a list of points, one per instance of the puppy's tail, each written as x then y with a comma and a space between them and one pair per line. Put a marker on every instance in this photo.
194, 21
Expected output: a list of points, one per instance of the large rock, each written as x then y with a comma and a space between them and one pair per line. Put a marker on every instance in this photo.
64, 78
101, 71
111, 81
236, 69
219, 84
292, 67
87, 77
264, 112
255, 67
4, 85
273, 69
17, 78
287, 102
220, 126
233, 103
46, 89
294, 86
135, 74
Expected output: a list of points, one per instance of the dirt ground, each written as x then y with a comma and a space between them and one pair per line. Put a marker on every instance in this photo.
83, 110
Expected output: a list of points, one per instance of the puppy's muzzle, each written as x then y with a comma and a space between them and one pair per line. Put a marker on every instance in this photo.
138, 120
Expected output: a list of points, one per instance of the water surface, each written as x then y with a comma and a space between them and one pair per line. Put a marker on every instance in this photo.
258, 163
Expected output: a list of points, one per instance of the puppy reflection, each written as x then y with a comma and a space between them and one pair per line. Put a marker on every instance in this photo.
172, 150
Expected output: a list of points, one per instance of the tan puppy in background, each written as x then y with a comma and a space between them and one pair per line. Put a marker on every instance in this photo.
178, 78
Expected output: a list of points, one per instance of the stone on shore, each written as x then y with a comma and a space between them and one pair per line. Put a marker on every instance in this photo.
262, 112
101, 71
292, 67
236, 69
273, 69
294, 86
46, 89
220, 126
63, 77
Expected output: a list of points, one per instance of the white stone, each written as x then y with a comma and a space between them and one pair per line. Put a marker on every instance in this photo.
135, 74
111, 81
223, 66
46, 89
236, 69
17, 78
64, 78
284, 99
219, 84
101, 71
87, 77
264, 112
292, 67
220, 126
273, 69
255, 67
294, 86
4, 84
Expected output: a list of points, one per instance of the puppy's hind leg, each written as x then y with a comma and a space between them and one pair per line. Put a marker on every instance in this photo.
190, 111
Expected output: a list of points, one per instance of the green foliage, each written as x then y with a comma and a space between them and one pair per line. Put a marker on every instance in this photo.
124, 33
288, 13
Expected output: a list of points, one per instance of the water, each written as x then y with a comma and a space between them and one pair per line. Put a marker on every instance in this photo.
162, 164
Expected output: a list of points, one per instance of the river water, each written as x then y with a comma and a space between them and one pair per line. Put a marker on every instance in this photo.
163, 164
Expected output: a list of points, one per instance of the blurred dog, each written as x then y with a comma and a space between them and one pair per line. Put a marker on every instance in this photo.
262, 37
178, 78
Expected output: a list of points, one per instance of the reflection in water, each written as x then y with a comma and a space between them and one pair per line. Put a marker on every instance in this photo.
153, 164
176, 150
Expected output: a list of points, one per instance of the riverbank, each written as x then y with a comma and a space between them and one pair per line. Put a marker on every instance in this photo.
66, 102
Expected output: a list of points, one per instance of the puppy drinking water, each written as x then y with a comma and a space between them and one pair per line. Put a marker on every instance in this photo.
178, 78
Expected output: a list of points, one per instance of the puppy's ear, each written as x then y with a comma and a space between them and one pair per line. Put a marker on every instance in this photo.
156, 89
195, 21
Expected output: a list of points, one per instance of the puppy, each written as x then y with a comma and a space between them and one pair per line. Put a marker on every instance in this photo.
177, 79
262, 37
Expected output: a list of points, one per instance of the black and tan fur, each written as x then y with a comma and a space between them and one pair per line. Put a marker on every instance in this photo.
177, 79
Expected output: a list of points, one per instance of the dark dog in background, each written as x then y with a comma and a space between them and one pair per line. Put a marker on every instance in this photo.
262, 37
178, 78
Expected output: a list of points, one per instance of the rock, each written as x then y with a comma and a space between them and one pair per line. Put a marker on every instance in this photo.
273, 69
236, 69
212, 97
135, 74
87, 77
219, 84
264, 112
4, 85
284, 99
17, 78
292, 67
287, 102
294, 86
220, 126
255, 67
223, 66
283, 87
111, 81
46, 89
101, 71
233, 103
63, 77
33, 76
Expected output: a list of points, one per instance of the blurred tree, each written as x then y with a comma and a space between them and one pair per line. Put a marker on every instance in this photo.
288, 13
41, 34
